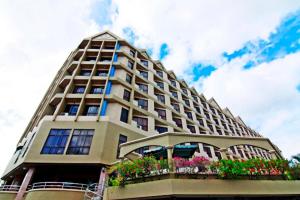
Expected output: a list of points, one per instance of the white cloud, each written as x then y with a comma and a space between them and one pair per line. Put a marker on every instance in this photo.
265, 97
199, 30
35, 39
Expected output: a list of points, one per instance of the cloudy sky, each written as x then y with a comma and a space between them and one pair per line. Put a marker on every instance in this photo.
243, 53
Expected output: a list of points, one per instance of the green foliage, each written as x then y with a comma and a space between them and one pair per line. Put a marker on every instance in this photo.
234, 169
125, 171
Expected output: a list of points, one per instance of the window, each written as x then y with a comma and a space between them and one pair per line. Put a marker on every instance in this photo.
91, 110
143, 88
184, 91
71, 109
105, 59
56, 141
124, 115
161, 98
173, 82
91, 58
176, 107
198, 109
79, 89
161, 113
85, 72
144, 62
201, 122
97, 90
187, 102
130, 64
122, 139
128, 78
141, 122
161, 129
174, 94
178, 122
159, 73
126, 95
80, 142
143, 103
132, 53
208, 151
144, 74
195, 98
189, 115
192, 128
101, 73
160, 85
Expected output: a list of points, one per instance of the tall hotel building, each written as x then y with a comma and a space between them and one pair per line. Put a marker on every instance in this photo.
108, 93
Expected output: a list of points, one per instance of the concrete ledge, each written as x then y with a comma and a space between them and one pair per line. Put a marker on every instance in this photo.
204, 188
7, 195
57, 194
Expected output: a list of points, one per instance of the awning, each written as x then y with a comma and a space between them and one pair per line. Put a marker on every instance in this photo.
184, 151
159, 152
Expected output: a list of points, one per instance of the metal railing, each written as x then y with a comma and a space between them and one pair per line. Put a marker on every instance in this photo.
10, 188
92, 192
58, 185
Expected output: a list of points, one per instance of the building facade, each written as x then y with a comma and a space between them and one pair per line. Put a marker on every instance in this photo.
108, 93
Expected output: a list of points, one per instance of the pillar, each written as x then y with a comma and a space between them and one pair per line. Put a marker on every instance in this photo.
273, 154
101, 183
223, 152
25, 183
170, 158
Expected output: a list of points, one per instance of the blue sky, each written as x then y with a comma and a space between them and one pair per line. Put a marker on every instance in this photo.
246, 56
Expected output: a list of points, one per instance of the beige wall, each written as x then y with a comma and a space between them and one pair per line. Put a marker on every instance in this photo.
53, 194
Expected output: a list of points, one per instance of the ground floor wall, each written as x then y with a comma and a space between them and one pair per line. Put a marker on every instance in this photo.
191, 188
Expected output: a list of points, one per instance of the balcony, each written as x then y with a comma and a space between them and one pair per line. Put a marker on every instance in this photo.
184, 174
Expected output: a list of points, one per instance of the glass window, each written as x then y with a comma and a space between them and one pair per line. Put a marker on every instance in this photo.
207, 150
144, 62
81, 141
97, 90
176, 107
101, 73
126, 95
130, 64
141, 122
189, 115
192, 128
132, 53
122, 139
159, 73
124, 115
178, 122
128, 78
174, 94
56, 141
91, 58
71, 109
91, 110
161, 129
160, 85
79, 89
144, 74
187, 102
184, 91
161, 113
85, 72
143, 88
161, 98
173, 82
143, 103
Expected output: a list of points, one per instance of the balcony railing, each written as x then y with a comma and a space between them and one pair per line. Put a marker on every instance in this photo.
10, 188
58, 185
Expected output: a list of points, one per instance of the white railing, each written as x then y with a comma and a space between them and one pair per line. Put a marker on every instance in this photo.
59, 185
10, 188
93, 192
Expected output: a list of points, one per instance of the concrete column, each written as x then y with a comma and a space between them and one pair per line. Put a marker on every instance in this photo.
273, 154
101, 183
223, 152
170, 158
25, 183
